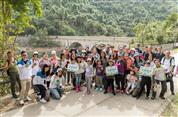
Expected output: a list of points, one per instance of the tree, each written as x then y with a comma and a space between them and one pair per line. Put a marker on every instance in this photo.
15, 17
158, 32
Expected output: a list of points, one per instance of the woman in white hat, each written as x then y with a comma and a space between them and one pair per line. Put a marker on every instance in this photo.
35, 64
57, 84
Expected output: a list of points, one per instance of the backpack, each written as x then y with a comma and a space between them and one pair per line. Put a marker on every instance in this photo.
172, 58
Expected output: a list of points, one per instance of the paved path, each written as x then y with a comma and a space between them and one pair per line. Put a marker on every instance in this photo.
97, 104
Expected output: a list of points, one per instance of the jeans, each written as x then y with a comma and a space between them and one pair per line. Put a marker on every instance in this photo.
56, 92
78, 79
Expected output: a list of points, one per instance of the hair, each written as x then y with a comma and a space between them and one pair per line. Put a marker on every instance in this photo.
133, 72
73, 58
23, 52
9, 52
61, 56
104, 54
43, 70
98, 61
57, 73
44, 53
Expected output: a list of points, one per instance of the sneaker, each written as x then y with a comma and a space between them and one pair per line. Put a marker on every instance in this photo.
43, 100
101, 89
39, 96
146, 98
173, 93
97, 89
21, 102
29, 99
152, 98
18, 99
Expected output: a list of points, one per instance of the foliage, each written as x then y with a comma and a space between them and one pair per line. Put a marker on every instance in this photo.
15, 16
40, 39
158, 32
92, 17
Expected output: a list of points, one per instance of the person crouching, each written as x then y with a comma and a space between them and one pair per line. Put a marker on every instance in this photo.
57, 84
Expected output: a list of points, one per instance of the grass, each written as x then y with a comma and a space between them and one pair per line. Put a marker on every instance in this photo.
172, 109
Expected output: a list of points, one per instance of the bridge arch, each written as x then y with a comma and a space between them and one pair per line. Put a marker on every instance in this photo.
101, 46
76, 45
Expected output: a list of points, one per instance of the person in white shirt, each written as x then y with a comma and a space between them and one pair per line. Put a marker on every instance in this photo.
25, 73
159, 77
169, 63
39, 82
35, 64
78, 73
57, 83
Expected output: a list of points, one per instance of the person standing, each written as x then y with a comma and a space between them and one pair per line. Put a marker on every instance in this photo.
35, 64
13, 74
159, 77
159, 54
169, 63
25, 73
89, 75
146, 74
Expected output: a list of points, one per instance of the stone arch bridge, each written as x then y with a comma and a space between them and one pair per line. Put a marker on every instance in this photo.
91, 41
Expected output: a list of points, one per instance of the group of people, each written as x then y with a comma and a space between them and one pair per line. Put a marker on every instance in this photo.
125, 70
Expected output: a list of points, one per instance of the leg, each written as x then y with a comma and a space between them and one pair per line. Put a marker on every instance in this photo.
13, 83
132, 87
112, 85
128, 87
117, 81
100, 81
172, 85
18, 81
97, 82
154, 89
122, 82
28, 84
22, 92
42, 90
148, 85
163, 88
87, 82
142, 84
54, 93
107, 85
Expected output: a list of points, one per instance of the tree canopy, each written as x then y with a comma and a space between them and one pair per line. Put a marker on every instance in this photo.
94, 17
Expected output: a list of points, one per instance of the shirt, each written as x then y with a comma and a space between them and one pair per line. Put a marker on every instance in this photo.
159, 73
56, 81
25, 69
168, 63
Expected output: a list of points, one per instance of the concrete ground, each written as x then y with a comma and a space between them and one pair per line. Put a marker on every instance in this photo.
97, 104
